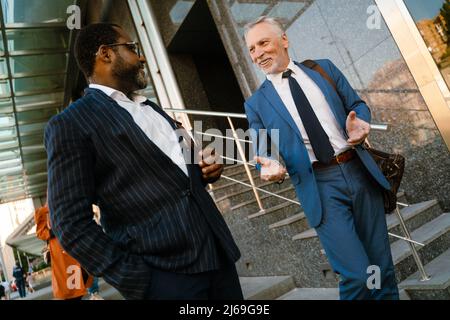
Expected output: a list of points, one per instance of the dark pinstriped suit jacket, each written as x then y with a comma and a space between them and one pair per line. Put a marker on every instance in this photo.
154, 216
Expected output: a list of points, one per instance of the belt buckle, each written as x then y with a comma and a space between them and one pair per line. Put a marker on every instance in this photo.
338, 157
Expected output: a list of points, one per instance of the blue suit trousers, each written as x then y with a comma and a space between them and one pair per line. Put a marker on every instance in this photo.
353, 232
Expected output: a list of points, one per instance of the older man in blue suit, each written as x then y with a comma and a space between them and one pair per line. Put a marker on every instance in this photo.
320, 135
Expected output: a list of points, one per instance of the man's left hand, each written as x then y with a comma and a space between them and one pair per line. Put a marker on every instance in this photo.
357, 129
211, 169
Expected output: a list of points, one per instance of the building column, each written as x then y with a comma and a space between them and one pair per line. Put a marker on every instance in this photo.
161, 70
8, 261
38, 202
2, 264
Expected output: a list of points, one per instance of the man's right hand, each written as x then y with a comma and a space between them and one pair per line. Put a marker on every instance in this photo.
271, 170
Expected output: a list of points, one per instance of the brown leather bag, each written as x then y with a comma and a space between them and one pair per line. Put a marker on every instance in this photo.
391, 165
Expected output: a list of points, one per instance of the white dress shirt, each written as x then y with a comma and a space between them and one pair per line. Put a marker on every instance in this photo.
318, 103
154, 125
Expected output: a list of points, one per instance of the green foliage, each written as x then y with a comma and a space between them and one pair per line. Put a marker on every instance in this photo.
445, 12
40, 266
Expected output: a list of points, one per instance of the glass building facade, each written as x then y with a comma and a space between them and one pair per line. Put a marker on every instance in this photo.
211, 69
208, 35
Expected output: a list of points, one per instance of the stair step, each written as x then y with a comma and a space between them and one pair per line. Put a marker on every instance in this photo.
414, 215
311, 294
323, 294
233, 188
245, 193
253, 288
236, 193
403, 295
310, 233
229, 185
266, 288
438, 287
288, 220
232, 167
273, 209
392, 221
401, 196
425, 234
290, 191
238, 173
235, 169
409, 212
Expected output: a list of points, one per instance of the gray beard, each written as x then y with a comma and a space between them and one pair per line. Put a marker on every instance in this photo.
275, 66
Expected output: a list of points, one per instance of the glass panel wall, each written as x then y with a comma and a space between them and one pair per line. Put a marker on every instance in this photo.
35, 11
33, 59
432, 18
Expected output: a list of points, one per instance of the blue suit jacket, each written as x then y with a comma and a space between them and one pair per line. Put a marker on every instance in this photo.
266, 110
153, 215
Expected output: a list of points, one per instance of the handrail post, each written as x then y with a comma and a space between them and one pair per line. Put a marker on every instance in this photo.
247, 169
423, 274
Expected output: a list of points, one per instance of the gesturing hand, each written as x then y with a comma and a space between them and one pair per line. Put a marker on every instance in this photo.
357, 129
211, 170
271, 170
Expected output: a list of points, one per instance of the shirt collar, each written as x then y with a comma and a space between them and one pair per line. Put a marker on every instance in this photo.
277, 78
118, 95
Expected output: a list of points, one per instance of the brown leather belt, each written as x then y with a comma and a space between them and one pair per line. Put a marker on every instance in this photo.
340, 158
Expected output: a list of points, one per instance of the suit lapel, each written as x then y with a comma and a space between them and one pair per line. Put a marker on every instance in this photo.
273, 97
183, 136
271, 94
162, 113
123, 120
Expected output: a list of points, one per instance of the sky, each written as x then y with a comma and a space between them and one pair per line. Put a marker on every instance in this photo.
12, 214
423, 9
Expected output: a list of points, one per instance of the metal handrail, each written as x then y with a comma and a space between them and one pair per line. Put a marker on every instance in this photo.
262, 190
223, 137
298, 203
247, 169
408, 239
381, 127
209, 113
235, 138
226, 158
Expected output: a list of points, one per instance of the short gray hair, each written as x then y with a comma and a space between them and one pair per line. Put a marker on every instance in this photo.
264, 19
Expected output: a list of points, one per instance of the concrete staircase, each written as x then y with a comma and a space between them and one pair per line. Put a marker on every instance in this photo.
282, 257
272, 240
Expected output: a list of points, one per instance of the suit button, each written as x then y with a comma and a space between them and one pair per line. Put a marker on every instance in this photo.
310, 170
188, 193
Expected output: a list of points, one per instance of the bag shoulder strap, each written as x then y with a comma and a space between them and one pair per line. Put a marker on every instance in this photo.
311, 64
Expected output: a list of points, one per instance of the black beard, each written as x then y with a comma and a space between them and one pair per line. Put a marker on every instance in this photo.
130, 75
